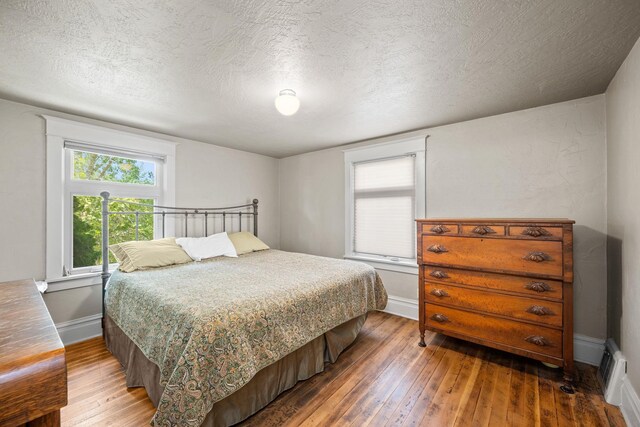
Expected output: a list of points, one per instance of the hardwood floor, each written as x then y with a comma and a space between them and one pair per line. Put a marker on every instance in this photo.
384, 378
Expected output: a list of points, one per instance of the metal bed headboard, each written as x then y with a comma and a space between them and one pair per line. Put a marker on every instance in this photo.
249, 210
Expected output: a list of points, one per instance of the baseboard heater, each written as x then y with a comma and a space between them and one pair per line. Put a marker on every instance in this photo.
612, 369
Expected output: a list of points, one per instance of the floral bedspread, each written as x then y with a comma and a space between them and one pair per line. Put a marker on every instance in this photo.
211, 326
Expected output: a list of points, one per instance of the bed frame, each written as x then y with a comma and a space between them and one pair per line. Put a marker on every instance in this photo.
207, 215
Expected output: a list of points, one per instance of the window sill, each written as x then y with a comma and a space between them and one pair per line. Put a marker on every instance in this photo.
73, 282
383, 264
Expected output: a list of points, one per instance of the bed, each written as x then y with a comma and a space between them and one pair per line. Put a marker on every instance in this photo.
215, 341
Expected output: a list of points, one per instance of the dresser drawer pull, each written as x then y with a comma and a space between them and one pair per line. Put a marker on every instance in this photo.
535, 232
537, 340
439, 274
440, 318
439, 293
539, 310
538, 287
537, 257
437, 249
482, 230
439, 229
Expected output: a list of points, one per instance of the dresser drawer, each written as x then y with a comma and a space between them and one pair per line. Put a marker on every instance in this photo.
513, 255
535, 232
482, 230
539, 288
539, 311
439, 229
524, 336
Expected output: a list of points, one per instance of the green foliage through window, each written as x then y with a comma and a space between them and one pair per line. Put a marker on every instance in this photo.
87, 227
101, 167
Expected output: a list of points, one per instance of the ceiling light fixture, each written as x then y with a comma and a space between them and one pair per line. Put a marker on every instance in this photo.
287, 103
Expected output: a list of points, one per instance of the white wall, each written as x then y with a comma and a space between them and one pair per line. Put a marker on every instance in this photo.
623, 209
548, 161
205, 175
542, 162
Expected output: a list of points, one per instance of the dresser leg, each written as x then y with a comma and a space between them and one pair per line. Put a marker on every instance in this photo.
422, 343
568, 386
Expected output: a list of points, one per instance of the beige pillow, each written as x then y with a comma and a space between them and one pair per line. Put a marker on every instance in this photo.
141, 255
246, 242
121, 257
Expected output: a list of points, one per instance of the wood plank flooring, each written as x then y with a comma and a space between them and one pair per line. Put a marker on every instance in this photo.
383, 379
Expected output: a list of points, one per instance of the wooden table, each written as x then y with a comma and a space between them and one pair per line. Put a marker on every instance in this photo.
33, 371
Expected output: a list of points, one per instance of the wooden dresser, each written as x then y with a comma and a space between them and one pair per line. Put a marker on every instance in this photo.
33, 370
503, 283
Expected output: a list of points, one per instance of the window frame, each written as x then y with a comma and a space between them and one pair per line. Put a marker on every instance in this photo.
60, 187
410, 146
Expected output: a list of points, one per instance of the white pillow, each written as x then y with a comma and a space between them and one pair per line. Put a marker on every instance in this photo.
200, 248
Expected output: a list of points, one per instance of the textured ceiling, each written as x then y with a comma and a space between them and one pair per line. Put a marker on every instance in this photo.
209, 70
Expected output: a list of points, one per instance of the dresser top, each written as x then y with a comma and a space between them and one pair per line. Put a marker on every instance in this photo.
498, 220
27, 332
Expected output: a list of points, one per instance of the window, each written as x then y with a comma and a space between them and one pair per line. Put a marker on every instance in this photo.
128, 166
385, 194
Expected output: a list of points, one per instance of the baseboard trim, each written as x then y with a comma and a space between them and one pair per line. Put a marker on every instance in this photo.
81, 329
587, 349
403, 307
630, 403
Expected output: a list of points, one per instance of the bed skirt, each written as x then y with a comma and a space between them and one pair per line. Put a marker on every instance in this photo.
263, 388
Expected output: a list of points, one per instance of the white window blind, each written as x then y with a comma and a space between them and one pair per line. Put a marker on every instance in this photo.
384, 197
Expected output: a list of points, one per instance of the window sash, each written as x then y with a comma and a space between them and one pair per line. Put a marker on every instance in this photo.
363, 231
117, 189
69, 167
368, 235
69, 252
